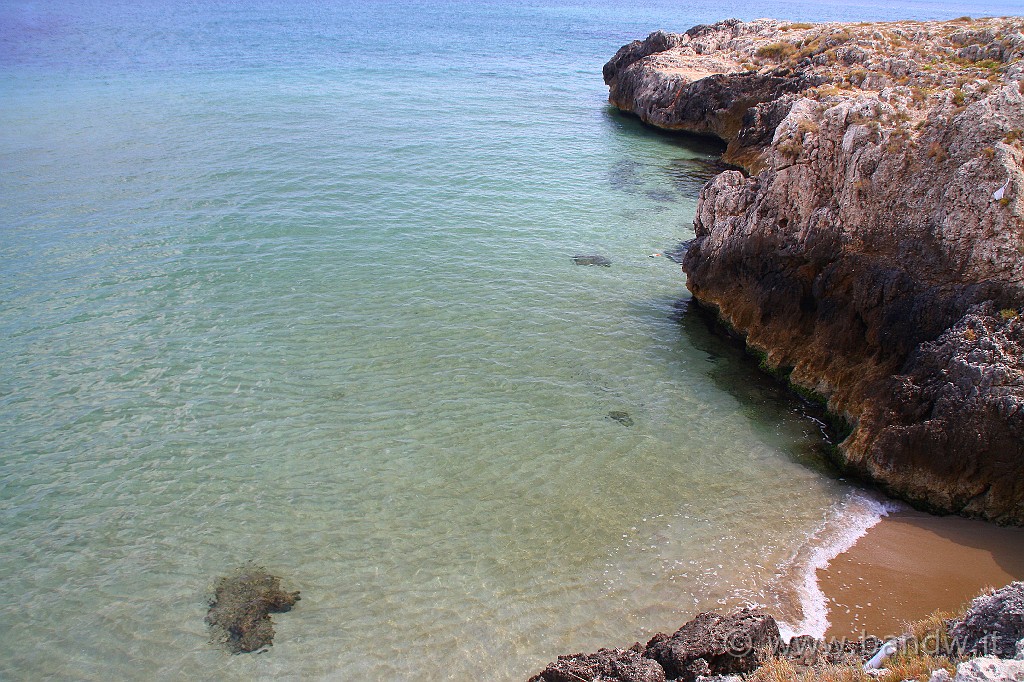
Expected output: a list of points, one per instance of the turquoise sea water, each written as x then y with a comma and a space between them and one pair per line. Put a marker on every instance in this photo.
291, 282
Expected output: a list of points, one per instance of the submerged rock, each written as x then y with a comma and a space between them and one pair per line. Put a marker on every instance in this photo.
875, 252
993, 625
625, 176
712, 644
621, 416
591, 260
661, 195
607, 665
239, 612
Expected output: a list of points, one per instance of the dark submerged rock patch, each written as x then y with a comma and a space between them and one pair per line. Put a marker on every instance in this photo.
240, 611
624, 176
661, 195
591, 260
677, 252
621, 416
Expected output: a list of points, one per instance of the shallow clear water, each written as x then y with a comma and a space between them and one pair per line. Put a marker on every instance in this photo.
292, 283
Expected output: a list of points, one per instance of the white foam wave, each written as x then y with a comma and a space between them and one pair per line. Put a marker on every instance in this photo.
842, 528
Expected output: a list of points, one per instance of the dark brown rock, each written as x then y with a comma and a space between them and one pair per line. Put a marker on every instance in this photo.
958, 394
805, 650
240, 611
606, 665
712, 644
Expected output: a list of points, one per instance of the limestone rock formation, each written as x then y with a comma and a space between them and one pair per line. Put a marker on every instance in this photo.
874, 249
717, 648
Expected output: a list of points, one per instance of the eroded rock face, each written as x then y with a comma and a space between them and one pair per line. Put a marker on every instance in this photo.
993, 624
606, 665
877, 249
240, 611
713, 644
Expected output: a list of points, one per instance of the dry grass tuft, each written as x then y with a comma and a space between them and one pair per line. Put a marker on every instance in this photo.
774, 670
779, 52
908, 667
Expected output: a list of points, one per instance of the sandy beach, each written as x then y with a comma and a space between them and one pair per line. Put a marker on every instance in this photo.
911, 564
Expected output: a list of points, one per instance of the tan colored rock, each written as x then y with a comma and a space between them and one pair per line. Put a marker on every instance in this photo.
990, 670
876, 250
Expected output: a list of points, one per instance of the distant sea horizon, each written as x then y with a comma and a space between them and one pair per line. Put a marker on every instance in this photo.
294, 283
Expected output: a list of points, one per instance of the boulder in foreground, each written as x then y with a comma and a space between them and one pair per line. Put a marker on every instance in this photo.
712, 644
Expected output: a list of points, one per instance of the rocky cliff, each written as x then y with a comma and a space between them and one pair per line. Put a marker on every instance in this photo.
873, 252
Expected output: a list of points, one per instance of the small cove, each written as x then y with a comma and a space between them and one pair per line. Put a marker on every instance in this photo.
296, 286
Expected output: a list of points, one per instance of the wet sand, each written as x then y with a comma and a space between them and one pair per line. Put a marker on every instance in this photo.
911, 564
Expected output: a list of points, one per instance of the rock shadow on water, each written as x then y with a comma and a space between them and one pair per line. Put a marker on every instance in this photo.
624, 176
689, 175
239, 614
677, 252
627, 124
698, 163
738, 373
